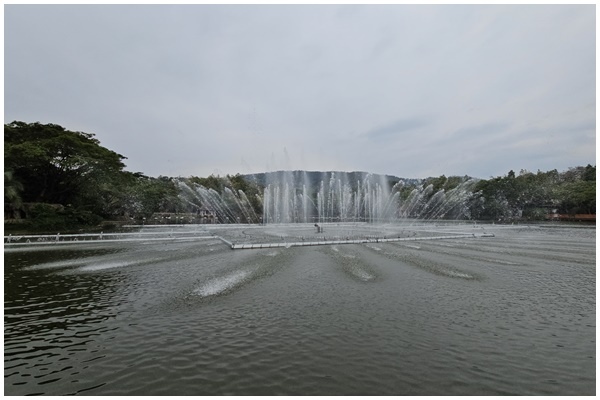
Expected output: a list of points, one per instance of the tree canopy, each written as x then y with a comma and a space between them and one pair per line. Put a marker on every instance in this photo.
82, 180
54, 164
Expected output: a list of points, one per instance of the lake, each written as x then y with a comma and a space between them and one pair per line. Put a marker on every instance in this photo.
512, 314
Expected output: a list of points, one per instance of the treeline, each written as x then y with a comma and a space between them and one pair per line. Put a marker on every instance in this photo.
59, 179
532, 196
528, 195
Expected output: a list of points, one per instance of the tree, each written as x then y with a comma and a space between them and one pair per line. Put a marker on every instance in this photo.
212, 182
62, 178
589, 174
56, 165
579, 197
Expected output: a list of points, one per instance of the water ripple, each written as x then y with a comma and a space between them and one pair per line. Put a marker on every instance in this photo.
471, 318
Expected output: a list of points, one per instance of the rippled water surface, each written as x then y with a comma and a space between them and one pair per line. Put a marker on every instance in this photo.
512, 314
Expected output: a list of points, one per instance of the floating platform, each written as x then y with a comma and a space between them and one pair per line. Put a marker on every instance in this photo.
242, 237
250, 246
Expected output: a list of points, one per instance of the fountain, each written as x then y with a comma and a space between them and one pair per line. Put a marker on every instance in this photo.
325, 197
345, 207
229, 206
291, 197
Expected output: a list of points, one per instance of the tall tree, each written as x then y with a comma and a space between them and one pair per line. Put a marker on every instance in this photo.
57, 165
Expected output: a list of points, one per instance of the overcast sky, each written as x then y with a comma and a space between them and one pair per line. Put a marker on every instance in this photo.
411, 91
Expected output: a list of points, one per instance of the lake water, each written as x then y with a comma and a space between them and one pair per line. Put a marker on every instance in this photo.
513, 314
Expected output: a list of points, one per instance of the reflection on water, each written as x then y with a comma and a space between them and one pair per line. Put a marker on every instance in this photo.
510, 315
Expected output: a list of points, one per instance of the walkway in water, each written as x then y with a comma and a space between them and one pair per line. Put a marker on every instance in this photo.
239, 237
292, 235
148, 233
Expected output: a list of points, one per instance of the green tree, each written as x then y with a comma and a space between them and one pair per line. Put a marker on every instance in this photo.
212, 182
533, 196
54, 164
65, 176
589, 174
578, 197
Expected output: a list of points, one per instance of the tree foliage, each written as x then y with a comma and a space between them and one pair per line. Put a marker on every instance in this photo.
533, 196
56, 165
48, 164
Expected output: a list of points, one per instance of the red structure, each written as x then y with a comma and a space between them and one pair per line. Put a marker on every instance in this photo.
572, 217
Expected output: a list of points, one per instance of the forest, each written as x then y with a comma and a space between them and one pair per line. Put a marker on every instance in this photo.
56, 179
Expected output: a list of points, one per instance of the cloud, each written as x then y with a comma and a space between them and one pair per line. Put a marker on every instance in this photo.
401, 89
396, 128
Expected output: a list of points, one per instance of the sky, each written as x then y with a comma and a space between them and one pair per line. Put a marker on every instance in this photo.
407, 90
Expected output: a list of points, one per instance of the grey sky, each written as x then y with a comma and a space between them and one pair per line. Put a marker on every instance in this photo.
412, 91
